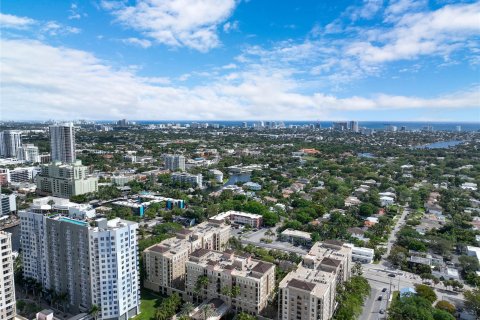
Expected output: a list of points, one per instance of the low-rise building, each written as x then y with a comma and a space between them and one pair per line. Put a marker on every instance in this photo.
245, 284
309, 292
8, 204
370, 221
363, 255
165, 261
296, 236
244, 218
187, 178
386, 201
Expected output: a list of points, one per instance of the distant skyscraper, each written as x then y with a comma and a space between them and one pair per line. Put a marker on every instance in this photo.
62, 143
245, 125
391, 128
7, 289
10, 141
122, 123
175, 162
458, 128
354, 126
340, 126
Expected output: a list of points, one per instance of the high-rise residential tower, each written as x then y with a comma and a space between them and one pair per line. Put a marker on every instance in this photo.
174, 162
10, 141
354, 126
62, 142
7, 286
90, 261
65, 180
29, 153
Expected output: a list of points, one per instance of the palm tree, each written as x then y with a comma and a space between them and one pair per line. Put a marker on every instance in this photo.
187, 308
235, 291
208, 311
51, 203
202, 283
94, 311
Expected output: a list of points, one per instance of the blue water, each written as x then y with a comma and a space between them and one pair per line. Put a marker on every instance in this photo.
80, 223
378, 125
440, 145
366, 155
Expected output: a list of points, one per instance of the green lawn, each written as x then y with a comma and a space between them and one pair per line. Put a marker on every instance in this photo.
148, 305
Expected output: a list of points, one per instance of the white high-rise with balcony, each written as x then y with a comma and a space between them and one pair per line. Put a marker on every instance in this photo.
7, 286
90, 261
62, 143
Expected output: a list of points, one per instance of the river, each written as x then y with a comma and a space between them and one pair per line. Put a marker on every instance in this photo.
440, 144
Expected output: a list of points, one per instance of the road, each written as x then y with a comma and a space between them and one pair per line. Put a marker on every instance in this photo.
393, 235
378, 278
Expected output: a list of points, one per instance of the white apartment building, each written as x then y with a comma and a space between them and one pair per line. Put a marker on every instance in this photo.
253, 280
363, 255
309, 291
10, 141
114, 265
28, 153
174, 162
65, 180
7, 285
192, 179
244, 218
62, 143
93, 264
165, 262
8, 204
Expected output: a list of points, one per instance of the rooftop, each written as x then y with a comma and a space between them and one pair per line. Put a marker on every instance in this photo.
230, 263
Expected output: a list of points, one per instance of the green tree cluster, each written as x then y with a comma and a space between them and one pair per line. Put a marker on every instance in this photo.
350, 297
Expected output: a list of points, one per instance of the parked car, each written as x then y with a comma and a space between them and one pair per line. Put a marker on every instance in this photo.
384, 290
380, 298
391, 275
382, 311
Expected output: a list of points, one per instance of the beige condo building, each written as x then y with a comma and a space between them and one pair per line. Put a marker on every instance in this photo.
244, 284
309, 292
165, 262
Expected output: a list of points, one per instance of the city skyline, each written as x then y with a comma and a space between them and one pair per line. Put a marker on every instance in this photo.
241, 60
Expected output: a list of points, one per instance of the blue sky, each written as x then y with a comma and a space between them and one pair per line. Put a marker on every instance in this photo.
240, 60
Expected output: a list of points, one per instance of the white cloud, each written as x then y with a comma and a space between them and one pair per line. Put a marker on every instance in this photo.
230, 26
438, 33
230, 66
397, 8
54, 28
363, 51
175, 23
15, 22
367, 10
63, 83
73, 12
144, 43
